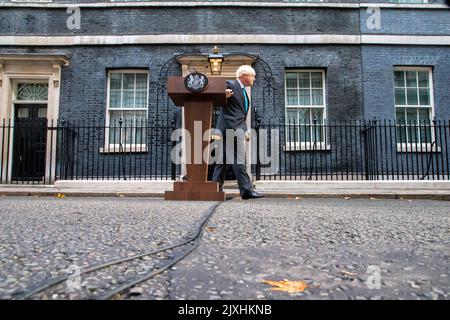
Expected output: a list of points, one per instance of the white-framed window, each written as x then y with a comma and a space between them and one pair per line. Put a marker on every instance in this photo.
127, 110
414, 108
305, 109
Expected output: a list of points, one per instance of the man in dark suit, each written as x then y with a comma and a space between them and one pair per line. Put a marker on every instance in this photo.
232, 123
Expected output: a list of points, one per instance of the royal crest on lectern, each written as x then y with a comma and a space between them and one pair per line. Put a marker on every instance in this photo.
196, 82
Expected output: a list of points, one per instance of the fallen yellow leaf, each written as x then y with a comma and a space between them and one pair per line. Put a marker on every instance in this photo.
60, 196
347, 273
287, 286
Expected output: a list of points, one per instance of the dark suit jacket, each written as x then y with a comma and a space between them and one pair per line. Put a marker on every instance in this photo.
233, 115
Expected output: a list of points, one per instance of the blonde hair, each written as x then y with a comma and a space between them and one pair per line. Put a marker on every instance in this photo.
244, 69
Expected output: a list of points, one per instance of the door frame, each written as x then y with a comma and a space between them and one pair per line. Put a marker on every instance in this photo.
14, 81
14, 177
30, 68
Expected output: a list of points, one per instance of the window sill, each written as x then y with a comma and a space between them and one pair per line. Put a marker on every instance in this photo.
126, 149
320, 146
417, 147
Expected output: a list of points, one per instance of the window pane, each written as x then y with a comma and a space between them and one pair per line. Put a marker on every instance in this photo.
291, 80
411, 80
401, 134
423, 79
413, 127
400, 115
128, 126
141, 81
128, 117
411, 115
291, 121
140, 128
425, 133
317, 128
128, 99
23, 112
413, 133
291, 116
318, 114
401, 128
316, 79
128, 81
114, 99
412, 99
303, 80
399, 79
133, 134
132, 130
141, 99
305, 99
304, 128
292, 97
116, 81
425, 128
114, 127
304, 115
424, 115
317, 97
114, 117
424, 95
42, 113
400, 97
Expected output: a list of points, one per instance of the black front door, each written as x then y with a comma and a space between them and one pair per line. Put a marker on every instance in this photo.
30, 137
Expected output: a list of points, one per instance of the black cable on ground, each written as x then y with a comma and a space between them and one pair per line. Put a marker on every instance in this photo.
195, 244
59, 280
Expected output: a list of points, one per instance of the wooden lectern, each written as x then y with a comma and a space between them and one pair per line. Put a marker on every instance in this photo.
198, 106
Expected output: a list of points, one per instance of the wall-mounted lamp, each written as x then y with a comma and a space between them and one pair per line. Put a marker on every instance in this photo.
215, 62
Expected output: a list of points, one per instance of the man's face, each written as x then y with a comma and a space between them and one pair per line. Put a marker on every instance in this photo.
248, 80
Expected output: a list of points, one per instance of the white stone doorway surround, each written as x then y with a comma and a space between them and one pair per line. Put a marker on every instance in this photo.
29, 68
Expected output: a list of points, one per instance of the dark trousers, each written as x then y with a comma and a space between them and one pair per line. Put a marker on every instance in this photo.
237, 163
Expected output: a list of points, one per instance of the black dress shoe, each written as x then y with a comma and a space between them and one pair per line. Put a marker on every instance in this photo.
252, 195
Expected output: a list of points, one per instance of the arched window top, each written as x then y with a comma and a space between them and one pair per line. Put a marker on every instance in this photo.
32, 91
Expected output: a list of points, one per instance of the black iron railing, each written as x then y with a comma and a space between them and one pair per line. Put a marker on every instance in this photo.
40, 152
354, 150
36, 151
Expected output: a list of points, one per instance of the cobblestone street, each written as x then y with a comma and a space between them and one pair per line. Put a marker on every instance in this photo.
339, 247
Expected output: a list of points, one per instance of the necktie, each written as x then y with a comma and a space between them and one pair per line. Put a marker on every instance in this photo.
244, 92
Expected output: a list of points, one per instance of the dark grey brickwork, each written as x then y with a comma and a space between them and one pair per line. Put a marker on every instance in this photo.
222, 20
411, 22
212, 1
